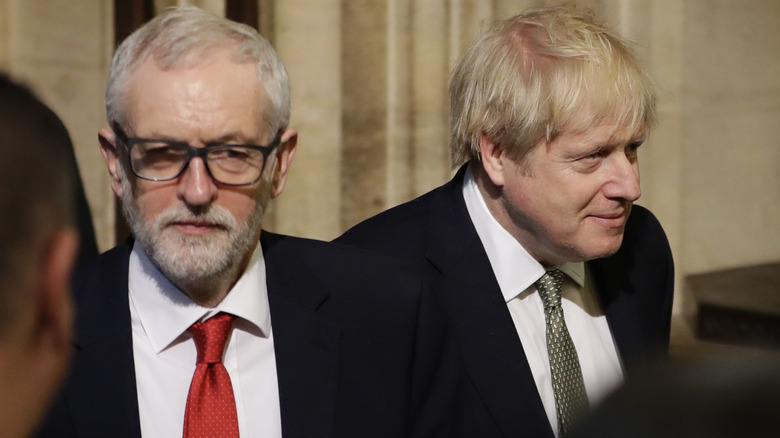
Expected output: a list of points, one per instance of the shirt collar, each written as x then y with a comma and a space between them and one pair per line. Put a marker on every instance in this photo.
165, 312
515, 269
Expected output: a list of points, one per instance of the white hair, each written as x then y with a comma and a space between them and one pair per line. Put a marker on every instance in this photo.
183, 36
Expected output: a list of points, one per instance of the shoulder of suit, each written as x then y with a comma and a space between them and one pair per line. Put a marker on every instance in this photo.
642, 224
295, 253
342, 272
401, 230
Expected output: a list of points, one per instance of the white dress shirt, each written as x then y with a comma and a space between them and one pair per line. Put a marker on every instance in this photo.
516, 272
165, 354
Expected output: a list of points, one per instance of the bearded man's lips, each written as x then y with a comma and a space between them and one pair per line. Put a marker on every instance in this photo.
195, 227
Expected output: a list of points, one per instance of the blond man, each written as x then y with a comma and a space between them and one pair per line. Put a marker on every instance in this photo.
556, 286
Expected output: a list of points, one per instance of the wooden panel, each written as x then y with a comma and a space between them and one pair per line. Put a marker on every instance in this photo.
129, 15
243, 11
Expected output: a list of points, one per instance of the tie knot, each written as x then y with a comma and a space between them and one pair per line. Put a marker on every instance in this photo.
549, 287
210, 337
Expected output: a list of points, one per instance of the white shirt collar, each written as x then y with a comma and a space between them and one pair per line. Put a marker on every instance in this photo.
515, 269
165, 312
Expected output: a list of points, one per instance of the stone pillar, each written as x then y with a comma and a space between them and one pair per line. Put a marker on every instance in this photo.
430, 102
658, 27
731, 126
397, 55
364, 60
308, 37
62, 50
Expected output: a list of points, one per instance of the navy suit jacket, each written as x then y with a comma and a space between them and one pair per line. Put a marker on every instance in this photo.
499, 399
357, 346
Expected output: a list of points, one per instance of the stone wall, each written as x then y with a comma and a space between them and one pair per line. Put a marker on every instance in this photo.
62, 50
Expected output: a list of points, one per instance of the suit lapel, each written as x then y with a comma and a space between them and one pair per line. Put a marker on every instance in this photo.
306, 347
102, 385
616, 291
491, 350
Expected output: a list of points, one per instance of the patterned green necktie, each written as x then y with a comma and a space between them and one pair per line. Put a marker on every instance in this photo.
571, 400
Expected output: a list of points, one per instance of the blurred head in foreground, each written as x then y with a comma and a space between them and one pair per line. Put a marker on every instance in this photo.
38, 247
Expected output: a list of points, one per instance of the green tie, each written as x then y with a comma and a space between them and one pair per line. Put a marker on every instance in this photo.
571, 400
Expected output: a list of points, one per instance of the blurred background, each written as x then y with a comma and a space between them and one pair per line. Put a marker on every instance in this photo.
370, 102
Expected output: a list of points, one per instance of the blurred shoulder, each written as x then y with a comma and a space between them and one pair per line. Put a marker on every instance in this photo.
108, 267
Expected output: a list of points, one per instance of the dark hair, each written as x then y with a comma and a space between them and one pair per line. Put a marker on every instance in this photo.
36, 190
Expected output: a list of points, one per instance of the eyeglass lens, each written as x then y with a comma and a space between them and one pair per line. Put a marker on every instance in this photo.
227, 164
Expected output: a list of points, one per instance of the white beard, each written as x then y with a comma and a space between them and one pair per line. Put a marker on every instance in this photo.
195, 263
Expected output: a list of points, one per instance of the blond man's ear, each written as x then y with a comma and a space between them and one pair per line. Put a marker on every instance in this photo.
492, 159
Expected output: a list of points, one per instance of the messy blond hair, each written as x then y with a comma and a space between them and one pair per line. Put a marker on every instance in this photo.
547, 70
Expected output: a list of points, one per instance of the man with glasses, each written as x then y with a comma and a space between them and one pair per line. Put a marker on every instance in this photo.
196, 330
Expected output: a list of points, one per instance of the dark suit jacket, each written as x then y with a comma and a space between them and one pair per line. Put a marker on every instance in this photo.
635, 288
357, 345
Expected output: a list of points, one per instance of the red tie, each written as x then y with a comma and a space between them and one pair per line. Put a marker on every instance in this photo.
211, 407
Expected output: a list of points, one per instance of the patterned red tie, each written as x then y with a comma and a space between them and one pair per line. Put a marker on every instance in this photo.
211, 406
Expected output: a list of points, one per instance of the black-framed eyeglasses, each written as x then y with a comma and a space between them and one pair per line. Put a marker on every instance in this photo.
228, 164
